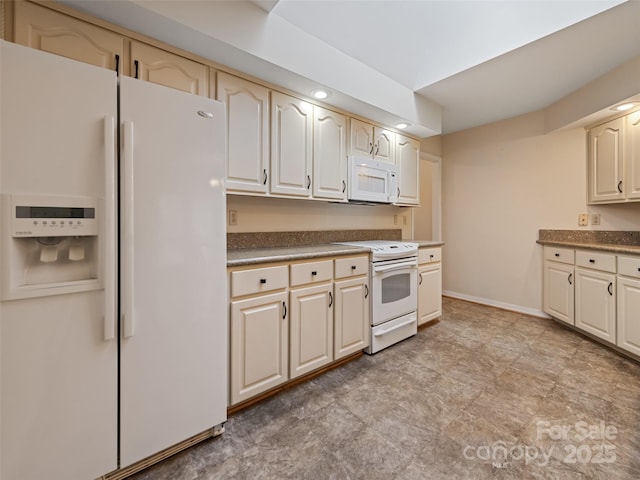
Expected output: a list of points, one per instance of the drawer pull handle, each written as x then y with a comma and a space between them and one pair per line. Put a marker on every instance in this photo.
557, 254
353, 267
639, 269
314, 273
263, 280
609, 288
591, 260
570, 278
430, 255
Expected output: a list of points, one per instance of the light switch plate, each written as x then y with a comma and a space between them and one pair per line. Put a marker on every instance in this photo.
595, 219
583, 219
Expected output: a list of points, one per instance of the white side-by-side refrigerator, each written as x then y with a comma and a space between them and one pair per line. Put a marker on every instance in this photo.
113, 329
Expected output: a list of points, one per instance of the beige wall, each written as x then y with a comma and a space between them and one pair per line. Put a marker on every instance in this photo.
259, 214
501, 183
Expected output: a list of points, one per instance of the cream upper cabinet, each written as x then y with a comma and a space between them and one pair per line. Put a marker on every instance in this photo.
367, 140
631, 185
408, 161
44, 29
329, 154
605, 167
291, 145
164, 68
247, 107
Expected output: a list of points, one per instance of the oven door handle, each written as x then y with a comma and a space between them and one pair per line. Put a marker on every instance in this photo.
395, 327
395, 266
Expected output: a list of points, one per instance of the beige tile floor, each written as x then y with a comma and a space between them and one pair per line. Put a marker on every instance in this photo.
483, 393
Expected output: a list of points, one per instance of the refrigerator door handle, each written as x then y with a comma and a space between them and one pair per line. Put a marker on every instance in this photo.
109, 229
127, 212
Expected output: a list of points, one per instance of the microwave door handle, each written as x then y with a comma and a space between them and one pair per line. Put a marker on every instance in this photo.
395, 266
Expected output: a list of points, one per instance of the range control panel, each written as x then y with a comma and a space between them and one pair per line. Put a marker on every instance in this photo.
52, 216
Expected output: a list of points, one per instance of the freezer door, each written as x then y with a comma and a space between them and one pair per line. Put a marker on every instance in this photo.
58, 353
173, 369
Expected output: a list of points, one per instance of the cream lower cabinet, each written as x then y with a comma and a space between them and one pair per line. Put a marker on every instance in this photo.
351, 313
558, 283
595, 295
259, 331
628, 304
429, 284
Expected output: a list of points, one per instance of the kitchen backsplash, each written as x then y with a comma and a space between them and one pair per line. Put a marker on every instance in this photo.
611, 237
295, 239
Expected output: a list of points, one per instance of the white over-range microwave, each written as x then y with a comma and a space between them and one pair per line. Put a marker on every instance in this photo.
371, 181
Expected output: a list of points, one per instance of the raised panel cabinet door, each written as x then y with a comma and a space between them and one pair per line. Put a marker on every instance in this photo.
311, 329
629, 314
259, 345
605, 162
558, 286
351, 329
361, 138
595, 303
247, 107
291, 145
43, 29
429, 293
384, 143
329, 154
632, 156
408, 161
164, 68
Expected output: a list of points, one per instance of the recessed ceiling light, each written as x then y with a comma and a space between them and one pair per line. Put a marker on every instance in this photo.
402, 125
320, 94
624, 106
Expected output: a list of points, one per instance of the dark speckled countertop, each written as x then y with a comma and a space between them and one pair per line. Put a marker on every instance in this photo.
604, 240
244, 249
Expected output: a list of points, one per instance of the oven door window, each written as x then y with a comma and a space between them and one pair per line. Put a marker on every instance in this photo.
395, 288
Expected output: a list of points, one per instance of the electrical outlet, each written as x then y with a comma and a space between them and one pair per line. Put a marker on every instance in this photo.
583, 219
233, 217
595, 219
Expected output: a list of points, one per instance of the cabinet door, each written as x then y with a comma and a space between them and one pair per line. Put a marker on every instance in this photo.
384, 143
259, 345
629, 314
291, 149
559, 291
408, 161
595, 303
43, 29
159, 66
311, 329
329, 154
429, 293
247, 133
605, 162
351, 316
632, 156
360, 138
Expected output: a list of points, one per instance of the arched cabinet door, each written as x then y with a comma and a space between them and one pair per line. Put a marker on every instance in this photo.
164, 68
44, 29
605, 162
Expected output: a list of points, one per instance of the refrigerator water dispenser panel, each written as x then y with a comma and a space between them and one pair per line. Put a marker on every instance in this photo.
50, 244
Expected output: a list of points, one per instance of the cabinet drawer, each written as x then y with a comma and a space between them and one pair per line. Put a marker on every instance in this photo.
258, 280
311, 272
352, 266
429, 255
605, 262
629, 266
558, 254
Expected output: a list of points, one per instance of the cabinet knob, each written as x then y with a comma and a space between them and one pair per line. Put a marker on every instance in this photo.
263, 280
430, 255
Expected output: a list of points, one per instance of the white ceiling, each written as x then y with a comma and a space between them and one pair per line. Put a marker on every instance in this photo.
441, 65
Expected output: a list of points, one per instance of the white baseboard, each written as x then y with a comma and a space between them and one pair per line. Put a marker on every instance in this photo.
493, 303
